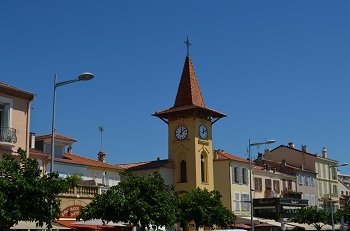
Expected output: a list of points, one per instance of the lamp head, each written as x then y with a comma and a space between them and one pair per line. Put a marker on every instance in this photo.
270, 141
85, 76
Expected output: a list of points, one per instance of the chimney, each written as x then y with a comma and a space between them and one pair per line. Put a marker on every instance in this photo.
303, 148
324, 152
101, 156
291, 145
283, 163
32, 140
267, 155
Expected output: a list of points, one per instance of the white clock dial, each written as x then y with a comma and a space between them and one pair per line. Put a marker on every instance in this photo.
181, 132
203, 131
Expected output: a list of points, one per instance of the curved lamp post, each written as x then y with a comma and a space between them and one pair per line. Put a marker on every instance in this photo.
250, 179
82, 77
330, 189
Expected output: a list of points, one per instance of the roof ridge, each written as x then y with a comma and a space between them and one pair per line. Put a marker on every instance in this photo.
85, 158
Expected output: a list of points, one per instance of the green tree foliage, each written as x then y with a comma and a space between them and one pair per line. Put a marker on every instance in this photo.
343, 212
143, 201
205, 209
312, 216
25, 194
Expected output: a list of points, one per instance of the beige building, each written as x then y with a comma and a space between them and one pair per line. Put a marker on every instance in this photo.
15, 105
327, 180
231, 179
269, 183
306, 183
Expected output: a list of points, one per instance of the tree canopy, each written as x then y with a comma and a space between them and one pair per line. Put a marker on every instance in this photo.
312, 216
25, 194
344, 213
144, 201
205, 209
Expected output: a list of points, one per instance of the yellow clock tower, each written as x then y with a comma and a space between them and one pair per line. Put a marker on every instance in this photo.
190, 122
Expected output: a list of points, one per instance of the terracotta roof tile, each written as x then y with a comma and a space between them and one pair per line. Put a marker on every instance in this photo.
57, 136
146, 165
14, 91
130, 165
189, 92
226, 156
72, 158
189, 97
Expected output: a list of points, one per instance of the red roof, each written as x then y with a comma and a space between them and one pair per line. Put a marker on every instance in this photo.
189, 97
71, 158
130, 165
226, 156
57, 136
13, 91
189, 92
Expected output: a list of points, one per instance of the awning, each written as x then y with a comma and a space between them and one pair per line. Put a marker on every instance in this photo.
32, 225
264, 207
290, 207
275, 223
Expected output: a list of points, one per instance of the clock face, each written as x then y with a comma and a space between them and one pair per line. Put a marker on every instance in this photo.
203, 131
181, 132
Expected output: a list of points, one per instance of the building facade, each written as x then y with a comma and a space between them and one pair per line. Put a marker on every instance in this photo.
15, 106
231, 179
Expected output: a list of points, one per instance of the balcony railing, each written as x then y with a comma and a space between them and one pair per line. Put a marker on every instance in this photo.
8, 135
84, 191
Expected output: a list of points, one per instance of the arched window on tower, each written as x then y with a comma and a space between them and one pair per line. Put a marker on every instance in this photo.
183, 171
204, 167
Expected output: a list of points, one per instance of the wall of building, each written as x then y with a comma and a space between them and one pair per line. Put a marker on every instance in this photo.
19, 119
294, 157
222, 181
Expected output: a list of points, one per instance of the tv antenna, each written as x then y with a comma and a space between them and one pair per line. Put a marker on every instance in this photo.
101, 129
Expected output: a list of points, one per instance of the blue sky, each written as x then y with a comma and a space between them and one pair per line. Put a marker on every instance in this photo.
279, 70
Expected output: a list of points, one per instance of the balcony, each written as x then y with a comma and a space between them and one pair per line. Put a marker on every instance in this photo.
334, 197
8, 135
83, 191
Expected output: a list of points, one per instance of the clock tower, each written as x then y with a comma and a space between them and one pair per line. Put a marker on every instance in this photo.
190, 122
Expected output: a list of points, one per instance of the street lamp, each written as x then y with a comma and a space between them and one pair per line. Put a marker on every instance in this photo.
82, 77
330, 189
250, 178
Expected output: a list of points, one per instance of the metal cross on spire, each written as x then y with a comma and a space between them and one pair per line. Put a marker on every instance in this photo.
188, 44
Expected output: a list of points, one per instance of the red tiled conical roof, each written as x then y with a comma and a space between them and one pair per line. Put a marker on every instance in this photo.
189, 98
189, 92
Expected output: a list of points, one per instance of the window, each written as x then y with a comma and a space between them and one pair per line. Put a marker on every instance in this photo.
244, 176
335, 190
342, 193
268, 184
284, 185
237, 202
302, 178
236, 176
258, 184
289, 185
299, 181
183, 171
313, 200
306, 197
276, 186
245, 202
7, 134
204, 164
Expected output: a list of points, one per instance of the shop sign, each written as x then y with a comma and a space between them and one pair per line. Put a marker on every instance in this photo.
71, 211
